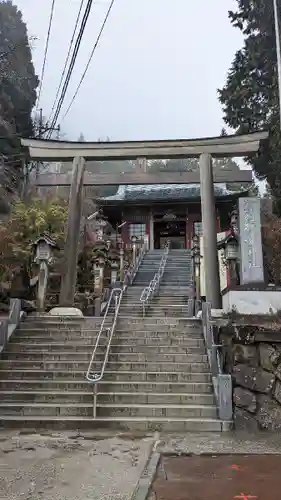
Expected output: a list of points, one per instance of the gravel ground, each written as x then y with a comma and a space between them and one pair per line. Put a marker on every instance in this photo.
227, 442
64, 466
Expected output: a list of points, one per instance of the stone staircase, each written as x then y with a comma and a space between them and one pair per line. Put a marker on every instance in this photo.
176, 286
157, 376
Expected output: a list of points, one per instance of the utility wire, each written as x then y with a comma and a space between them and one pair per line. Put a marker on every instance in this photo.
67, 57
71, 66
46, 52
90, 59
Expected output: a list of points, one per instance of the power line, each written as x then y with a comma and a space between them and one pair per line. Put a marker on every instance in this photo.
72, 63
90, 59
46, 51
67, 57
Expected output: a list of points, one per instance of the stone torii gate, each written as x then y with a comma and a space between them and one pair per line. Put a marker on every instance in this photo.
205, 149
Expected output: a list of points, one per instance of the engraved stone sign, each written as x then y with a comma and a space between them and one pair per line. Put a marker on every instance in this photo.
251, 256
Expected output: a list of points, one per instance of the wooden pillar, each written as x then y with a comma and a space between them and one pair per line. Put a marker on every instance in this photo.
69, 275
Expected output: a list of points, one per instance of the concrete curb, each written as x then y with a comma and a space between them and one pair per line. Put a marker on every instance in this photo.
147, 476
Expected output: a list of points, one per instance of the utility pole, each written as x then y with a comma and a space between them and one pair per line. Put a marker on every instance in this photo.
42, 129
278, 51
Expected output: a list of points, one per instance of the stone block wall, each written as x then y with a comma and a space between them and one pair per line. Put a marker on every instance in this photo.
253, 356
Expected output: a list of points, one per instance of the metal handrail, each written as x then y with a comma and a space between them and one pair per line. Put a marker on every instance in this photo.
131, 273
222, 382
152, 289
116, 295
10, 324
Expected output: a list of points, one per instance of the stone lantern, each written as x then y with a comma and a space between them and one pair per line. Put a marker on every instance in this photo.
121, 260
44, 248
134, 245
230, 245
114, 270
100, 225
196, 256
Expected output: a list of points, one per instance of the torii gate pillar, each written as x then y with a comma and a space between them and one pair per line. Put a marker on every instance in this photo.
209, 230
69, 275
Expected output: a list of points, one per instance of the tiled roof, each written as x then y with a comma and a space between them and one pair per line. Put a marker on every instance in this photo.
159, 192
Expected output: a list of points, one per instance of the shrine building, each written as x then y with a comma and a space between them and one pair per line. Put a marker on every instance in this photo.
166, 211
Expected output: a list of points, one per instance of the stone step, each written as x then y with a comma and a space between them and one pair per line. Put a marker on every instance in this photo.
37, 321
141, 424
138, 313
171, 341
176, 282
150, 355
106, 409
40, 332
158, 331
180, 266
153, 366
138, 326
157, 306
125, 398
59, 327
188, 323
157, 303
16, 348
120, 337
122, 376
113, 386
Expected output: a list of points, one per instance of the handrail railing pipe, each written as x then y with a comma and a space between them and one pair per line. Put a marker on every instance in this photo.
222, 382
9, 325
95, 376
152, 289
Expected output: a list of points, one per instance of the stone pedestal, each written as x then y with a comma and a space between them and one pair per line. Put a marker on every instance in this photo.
265, 301
65, 311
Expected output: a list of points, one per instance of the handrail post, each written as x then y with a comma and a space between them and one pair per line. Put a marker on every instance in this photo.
222, 383
95, 392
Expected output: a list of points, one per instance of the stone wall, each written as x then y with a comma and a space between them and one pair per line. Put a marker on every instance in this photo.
253, 357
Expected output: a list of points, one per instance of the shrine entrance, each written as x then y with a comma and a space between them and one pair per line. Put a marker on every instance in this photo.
174, 231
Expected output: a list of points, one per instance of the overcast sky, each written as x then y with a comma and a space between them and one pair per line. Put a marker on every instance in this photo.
154, 75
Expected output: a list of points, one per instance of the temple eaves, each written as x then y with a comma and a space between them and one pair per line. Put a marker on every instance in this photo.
223, 146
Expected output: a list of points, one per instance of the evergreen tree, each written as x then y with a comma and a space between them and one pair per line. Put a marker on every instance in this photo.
250, 96
18, 84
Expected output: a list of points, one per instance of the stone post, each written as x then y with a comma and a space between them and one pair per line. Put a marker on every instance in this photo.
101, 268
151, 230
69, 275
209, 231
114, 271
121, 262
42, 285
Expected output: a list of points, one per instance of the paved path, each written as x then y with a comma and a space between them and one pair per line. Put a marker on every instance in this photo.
226, 477
227, 466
